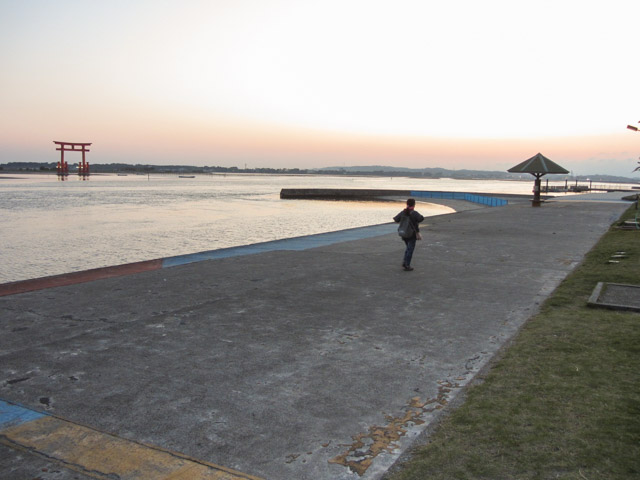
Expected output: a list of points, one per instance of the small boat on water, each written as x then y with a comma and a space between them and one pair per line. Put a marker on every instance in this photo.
186, 176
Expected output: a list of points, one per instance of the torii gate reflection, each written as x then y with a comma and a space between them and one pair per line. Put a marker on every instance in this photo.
62, 168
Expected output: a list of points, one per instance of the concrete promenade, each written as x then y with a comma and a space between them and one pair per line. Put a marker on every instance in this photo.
324, 361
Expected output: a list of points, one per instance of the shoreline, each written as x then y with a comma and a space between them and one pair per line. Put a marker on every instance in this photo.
309, 241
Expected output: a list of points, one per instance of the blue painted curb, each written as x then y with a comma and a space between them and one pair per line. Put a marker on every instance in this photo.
297, 243
469, 197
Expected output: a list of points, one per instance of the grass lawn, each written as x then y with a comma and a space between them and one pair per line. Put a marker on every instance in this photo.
563, 401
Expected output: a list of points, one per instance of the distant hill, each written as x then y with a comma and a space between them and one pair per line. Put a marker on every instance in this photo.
380, 170
461, 174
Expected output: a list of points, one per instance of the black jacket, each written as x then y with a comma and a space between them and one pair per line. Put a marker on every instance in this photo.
414, 217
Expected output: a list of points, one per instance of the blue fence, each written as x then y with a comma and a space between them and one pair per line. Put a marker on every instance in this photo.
469, 197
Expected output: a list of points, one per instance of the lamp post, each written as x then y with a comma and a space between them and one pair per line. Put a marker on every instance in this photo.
635, 129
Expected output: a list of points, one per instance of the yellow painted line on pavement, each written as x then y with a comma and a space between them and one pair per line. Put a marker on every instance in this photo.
105, 456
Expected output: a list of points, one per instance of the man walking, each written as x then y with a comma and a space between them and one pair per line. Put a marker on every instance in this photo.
412, 218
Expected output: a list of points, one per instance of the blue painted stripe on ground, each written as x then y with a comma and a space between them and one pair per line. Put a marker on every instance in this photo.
297, 243
12, 415
469, 197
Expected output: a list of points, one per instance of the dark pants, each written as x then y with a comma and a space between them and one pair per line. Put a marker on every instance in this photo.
408, 253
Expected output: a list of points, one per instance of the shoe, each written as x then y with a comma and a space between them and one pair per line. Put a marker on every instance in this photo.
408, 268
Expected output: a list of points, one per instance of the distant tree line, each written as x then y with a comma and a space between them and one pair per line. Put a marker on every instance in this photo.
362, 171
375, 171
139, 168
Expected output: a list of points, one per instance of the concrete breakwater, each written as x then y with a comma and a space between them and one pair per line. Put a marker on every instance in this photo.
490, 199
341, 194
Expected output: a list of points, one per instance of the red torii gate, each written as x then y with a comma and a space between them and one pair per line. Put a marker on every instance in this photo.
63, 167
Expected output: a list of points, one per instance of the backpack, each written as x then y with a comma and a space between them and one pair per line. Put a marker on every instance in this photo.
405, 229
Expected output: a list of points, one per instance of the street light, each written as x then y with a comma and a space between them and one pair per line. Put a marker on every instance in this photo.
635, 129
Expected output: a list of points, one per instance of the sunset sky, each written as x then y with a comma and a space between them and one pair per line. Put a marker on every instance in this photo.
315, 83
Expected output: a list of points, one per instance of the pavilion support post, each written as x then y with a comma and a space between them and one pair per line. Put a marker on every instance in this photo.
537, 185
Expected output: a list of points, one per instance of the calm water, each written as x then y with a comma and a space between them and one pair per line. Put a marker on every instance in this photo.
51, 227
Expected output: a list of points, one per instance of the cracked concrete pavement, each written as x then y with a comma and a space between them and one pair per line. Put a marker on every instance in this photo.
324, 363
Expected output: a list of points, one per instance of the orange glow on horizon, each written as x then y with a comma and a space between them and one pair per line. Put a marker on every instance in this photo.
310, 84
